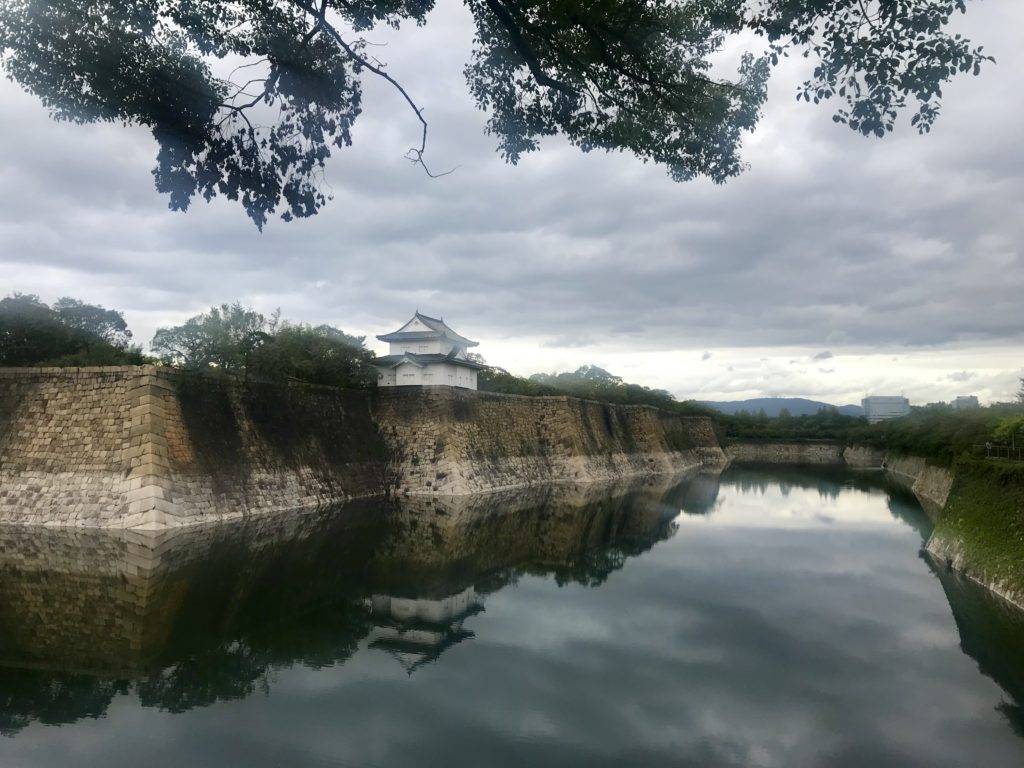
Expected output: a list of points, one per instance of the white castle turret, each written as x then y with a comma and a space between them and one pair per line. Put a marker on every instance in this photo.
426, 351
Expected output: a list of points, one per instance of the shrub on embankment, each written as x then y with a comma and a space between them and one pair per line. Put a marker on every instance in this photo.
983, 522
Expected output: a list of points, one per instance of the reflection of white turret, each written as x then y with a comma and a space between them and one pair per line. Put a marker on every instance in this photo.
418, 630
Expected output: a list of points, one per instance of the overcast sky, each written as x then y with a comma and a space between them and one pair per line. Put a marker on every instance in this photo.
837, 266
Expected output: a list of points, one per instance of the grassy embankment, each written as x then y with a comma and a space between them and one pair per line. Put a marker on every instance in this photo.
984, 521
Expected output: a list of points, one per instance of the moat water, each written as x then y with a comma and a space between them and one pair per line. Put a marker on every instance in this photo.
767, 617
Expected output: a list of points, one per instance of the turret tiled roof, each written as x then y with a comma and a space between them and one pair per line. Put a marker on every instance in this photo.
439, 329
392, 361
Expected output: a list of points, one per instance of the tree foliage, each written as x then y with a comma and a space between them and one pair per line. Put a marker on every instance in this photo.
588, 382
70, 332
241, 341
107, 324
876, 57
1010, 430
594, 383
317, 354
493, 379
826, 424
939, 434
617, 75
225, 338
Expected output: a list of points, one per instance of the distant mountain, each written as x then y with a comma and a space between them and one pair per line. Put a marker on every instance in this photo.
797, 406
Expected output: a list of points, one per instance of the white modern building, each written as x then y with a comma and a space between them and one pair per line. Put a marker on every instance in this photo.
881, 407
425, 351
966, 403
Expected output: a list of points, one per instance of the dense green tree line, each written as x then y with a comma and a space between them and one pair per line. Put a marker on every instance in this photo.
588, 382
231, 338
241, 341
827, 424
940, 434
68, 332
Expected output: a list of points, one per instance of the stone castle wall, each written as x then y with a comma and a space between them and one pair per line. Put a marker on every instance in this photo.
140, 446
236, 448
785, 453
929, 483
451, 441
66, 441
147, 446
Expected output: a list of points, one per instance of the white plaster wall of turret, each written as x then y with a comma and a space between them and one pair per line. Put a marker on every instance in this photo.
428, 347
432, 374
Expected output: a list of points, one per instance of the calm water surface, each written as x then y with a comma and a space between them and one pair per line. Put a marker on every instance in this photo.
761, 618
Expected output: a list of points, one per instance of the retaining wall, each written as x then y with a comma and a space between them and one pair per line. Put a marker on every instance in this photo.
150, 447
143, 446
785, 453
451, 441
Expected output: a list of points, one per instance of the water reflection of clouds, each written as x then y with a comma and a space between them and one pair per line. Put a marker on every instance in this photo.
792, 644
776, 506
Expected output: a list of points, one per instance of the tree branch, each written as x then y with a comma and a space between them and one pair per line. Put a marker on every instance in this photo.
523, 48
415, 154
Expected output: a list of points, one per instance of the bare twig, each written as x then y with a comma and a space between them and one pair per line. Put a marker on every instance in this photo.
415, 154
246, 66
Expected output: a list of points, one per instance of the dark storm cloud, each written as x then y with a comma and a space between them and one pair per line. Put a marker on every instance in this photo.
828, 239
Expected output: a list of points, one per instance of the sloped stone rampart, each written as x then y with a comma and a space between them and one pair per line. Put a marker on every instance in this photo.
152, 447
451, 442
146, 446
929, 483
65, 438
785, 453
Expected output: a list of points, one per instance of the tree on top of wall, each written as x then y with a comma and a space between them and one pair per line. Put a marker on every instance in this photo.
239, 340
70, 332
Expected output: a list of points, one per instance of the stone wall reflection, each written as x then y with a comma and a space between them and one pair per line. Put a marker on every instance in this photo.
185, 618
991, 632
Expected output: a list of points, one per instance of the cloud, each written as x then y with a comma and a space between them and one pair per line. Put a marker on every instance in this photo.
706, 356
826, 355
568, 342
961, 376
